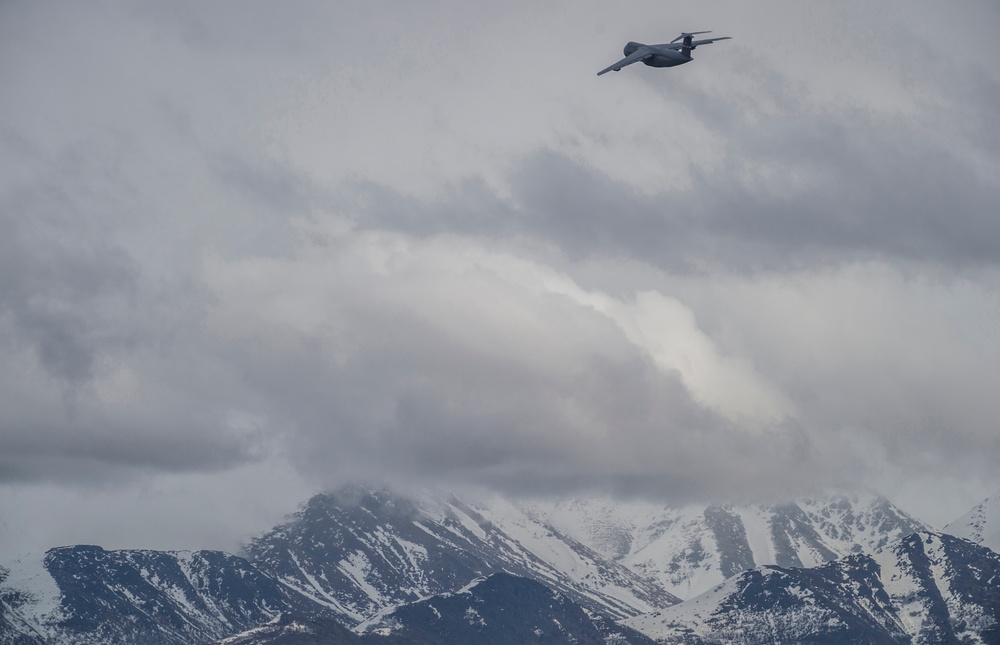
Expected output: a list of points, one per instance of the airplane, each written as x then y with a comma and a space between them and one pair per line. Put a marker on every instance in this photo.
666, 55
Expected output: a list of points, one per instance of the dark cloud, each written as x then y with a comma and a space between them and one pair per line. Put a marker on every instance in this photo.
57, 279
837, 190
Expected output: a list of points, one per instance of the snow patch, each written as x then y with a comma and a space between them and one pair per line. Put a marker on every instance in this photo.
357, 567
28, 574
473, 618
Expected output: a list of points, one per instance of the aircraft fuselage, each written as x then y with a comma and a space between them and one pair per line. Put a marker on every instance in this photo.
661, 57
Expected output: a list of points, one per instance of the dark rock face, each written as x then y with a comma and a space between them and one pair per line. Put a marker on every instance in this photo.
730, 536
500, 610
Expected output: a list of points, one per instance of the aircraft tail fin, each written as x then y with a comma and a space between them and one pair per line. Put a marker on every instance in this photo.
687, 47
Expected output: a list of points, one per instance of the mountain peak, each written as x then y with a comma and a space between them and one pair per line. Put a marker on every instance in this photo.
981, 524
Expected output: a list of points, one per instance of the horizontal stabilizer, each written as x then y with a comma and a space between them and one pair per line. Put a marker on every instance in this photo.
708, 41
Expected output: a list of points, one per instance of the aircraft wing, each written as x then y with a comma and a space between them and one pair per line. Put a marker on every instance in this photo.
637, 55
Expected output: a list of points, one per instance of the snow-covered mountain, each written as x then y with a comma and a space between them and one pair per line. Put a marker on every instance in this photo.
980, 525
689, 549
357, 555
27, 592
360, 551
14, 627
85, 594
924, 588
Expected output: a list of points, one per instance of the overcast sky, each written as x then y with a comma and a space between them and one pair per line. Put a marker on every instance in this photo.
251, 250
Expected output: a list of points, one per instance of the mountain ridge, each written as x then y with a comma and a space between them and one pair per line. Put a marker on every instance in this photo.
927, 587
357, 555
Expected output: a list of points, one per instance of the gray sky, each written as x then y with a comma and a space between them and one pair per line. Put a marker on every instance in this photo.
252, 250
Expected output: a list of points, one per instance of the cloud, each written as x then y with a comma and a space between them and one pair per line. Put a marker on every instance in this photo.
382, 352
429, 242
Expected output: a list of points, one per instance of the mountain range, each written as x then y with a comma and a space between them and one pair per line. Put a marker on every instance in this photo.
370, 565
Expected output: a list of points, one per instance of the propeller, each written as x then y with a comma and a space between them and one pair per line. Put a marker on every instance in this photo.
688, 34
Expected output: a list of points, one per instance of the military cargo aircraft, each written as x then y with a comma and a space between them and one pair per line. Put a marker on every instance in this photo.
666, 55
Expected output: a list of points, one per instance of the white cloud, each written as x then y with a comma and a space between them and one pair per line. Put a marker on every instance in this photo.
498, 343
